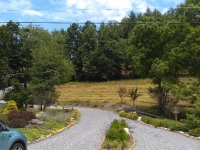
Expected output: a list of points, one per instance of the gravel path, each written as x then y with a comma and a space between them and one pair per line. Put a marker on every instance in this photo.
88, 133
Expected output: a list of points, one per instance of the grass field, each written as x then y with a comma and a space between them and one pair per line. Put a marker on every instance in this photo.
104, 91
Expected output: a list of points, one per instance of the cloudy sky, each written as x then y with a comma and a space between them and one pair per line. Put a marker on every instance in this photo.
78, 11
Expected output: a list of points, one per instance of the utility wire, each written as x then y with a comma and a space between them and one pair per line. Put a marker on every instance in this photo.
41, 9
144, 23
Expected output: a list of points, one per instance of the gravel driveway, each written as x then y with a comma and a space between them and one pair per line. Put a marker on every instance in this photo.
88, 133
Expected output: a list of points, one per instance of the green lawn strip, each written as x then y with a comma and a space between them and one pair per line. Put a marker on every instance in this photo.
34, 134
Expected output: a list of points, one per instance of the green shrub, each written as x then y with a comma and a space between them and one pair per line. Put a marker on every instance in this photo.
75, 114
195, 132
4, 119
1, 109
146, 119
133, 116
116, 136
56, 116
167, 123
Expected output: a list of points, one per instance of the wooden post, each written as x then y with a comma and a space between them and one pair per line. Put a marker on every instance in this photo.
176, 117
176, 112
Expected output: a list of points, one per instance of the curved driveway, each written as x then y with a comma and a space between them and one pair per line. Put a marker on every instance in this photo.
88, 133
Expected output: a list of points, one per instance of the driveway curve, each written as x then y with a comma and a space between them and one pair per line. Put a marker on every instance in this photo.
88, 133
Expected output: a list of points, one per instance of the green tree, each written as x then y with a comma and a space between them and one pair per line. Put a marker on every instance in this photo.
121, 92
17, 54
50, 65
133, 94
73, 51
149, 47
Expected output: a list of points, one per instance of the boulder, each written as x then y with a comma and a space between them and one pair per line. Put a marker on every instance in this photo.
36, 122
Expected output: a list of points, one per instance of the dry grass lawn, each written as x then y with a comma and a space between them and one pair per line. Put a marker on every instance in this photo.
104, 91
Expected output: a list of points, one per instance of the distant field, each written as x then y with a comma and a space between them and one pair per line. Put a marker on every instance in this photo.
107, 91
104, 91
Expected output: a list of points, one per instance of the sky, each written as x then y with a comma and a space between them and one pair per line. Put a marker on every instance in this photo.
66, 12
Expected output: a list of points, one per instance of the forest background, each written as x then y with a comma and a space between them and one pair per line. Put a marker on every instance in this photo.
146, 45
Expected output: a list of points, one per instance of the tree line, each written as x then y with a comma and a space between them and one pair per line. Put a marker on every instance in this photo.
151, 45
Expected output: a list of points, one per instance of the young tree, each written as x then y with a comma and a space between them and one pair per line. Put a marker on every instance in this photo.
133, 94
121, 92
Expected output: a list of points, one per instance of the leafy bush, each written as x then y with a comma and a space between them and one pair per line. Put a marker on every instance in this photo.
192, 117
18, 119
4, 119
28, 115
56, 116
116, 136
14, 114
75, 114
18, 123
21, 115
195, 132
171, 124
132, 116
11, 105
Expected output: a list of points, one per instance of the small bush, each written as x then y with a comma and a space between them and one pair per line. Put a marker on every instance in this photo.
56, 116
75, 114
11, 105
28, 115
4, 119
171, 124
132, 116
14, 114
17, 123
116, 136
195, 132
146, 119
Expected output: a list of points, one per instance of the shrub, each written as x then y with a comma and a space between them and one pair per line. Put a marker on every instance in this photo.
146, 119
195, 132
133, 116
75, 114
18, 119
28, 115
56, 116
171, 124
17, 123
11, 105
116, 136
14, 114
4, 119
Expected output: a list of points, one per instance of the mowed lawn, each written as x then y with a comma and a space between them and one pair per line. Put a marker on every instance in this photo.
105, 91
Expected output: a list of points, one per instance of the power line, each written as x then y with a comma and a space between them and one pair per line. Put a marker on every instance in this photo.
42, 9
47, 22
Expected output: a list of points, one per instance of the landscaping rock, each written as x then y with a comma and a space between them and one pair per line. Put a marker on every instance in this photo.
36, 122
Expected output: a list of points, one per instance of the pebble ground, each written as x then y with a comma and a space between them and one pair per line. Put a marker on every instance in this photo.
88, 134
